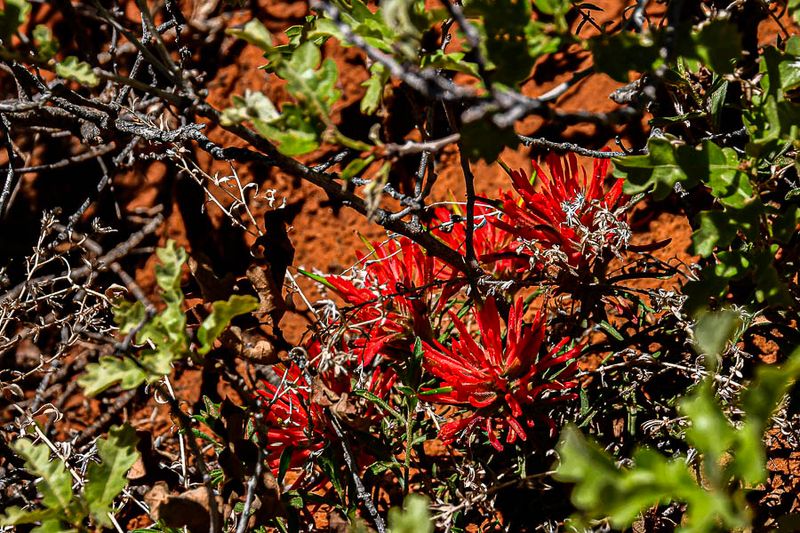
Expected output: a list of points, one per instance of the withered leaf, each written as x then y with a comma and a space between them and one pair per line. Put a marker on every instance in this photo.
190, 509
258, 350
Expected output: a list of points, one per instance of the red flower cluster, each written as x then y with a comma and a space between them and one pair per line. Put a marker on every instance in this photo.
398, 294
497, 379
295, 417
393, 302
572, 214
291, 420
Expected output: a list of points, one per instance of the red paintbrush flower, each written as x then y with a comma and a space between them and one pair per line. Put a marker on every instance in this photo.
572, 217
498, 379
291, 420
393, 298
295, 417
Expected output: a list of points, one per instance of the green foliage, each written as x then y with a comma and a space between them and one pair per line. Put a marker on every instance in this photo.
12, 17
506, 25
46, 44
743, 228
718, 229
414, 517
618, 54
733, 457
164, 333
484, 140
717, 45
772, 118
669, 162
222, 313
713, 331
298, 128
73, 69
254, 32
61, 506
107, 478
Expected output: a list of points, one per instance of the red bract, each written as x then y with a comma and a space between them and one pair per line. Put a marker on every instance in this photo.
498, 379
491, 243
294, 410
570, 215
291, 420
393, 302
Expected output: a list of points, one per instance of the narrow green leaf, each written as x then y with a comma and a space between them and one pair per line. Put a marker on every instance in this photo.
611, 330
355, 167
317, 278
380, 403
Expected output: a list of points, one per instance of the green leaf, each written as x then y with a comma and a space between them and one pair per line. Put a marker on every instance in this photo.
12, 17
46, 44
128, 315
362, 393
784, 226
254, 106
106, 480
622, 52
168, 272
551, 7
507, 25
717, 229
769, 287
728, 184
331, 470
355, 167
602, 490
483, 140
291, 142
714, 330
56, 484
759, 402
80, 71
659, 170
453, 61
718, 45
611, 330
710, 433
255, 33
53, 525
15, 516
317, 278
669, 162
110, 371
379, 76
221, 314
414, 517
401, 17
